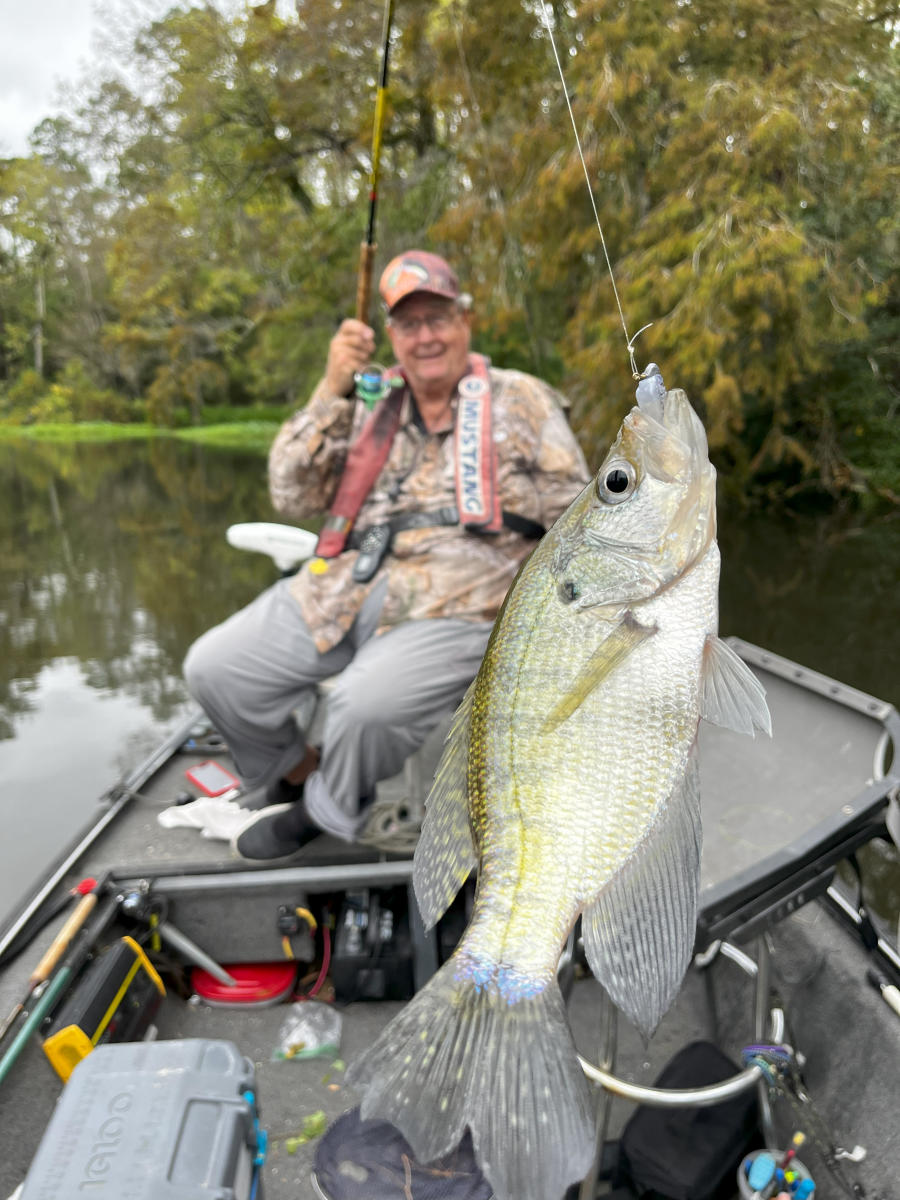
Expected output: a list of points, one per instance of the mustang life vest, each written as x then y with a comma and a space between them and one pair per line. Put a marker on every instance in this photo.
477, 500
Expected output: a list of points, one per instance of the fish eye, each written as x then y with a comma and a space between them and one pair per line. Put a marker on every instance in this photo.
616, 482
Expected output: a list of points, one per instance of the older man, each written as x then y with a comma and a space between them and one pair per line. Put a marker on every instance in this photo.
435, 498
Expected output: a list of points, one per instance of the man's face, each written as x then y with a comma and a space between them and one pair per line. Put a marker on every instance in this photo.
431, 338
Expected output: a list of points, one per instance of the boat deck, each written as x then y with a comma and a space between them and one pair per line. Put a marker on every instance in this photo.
778, 816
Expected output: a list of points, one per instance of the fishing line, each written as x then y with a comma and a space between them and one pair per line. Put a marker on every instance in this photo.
636, 374
511, 257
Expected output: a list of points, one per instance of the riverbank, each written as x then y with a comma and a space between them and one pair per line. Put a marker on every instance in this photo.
253, 435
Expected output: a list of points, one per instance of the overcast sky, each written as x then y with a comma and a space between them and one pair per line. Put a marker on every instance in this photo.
41, 43
45, 43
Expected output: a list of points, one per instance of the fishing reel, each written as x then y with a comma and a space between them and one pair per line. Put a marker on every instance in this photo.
373, 384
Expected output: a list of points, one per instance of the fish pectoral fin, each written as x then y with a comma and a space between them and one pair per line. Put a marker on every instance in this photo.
730, 694
639, 933
445, 853
625, 638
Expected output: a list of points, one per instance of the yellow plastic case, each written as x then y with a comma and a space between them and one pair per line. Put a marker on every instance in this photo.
114, 1001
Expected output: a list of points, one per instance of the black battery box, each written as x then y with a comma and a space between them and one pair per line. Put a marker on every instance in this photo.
373, 955
115, 1000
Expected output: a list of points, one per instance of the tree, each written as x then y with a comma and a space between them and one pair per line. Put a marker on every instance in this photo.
742, 168
199, 242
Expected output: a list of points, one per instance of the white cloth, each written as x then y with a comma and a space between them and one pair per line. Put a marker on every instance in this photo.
215, 817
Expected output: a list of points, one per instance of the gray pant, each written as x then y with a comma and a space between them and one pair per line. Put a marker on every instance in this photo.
253, 670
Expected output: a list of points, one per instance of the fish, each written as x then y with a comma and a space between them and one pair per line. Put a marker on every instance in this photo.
570, 780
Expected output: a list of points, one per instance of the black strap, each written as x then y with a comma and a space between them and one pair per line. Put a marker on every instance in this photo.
523, 525
448, 515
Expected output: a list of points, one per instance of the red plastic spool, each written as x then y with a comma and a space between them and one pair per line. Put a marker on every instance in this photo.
259, 985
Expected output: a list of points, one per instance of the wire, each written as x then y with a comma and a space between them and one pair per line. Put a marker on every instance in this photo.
307, 916
326, 962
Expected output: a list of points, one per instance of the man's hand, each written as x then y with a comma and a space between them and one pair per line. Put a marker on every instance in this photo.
351, 349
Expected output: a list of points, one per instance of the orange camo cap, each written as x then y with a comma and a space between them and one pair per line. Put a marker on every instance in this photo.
417, 271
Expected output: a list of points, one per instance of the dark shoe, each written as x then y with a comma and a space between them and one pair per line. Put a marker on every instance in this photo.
279, 792
273, 832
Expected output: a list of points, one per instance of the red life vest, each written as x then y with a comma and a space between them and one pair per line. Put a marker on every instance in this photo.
477, 499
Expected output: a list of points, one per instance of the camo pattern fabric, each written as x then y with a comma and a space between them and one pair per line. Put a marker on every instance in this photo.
441, 571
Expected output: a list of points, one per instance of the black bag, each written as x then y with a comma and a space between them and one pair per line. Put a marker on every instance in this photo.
370, 1160
689, 1153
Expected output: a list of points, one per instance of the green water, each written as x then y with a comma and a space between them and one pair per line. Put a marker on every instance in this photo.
113, 559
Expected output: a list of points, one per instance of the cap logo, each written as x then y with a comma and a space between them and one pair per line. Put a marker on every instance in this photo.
402, 271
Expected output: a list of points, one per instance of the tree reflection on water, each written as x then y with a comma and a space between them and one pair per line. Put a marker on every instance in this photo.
115, 555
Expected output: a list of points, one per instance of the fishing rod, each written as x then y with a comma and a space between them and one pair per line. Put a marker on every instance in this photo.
39, 921
47, 993
367, 249
57, 949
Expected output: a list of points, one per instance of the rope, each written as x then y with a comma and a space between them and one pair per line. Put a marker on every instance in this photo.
390, 827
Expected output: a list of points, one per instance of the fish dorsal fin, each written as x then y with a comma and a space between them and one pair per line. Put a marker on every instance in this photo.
730, 694
639, 933
445, 853
625, 638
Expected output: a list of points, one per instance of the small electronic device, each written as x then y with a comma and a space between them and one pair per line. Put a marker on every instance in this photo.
212, 778
376, 541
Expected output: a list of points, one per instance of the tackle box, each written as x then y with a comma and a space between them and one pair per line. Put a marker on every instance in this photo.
172, 1120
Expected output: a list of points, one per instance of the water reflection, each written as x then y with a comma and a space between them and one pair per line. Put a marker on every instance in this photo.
114, 555
112, 560
819, 591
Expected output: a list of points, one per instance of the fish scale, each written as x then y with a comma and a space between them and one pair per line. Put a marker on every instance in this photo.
570, 778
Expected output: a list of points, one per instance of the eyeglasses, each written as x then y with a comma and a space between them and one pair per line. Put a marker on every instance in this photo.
437, 322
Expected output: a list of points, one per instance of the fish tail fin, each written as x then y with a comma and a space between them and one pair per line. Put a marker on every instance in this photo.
462, 1054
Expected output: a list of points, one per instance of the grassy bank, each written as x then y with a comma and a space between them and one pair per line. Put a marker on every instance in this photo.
254, 435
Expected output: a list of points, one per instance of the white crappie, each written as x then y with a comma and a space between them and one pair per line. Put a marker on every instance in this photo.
570, 777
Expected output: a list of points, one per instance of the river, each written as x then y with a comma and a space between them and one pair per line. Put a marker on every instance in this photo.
113, 559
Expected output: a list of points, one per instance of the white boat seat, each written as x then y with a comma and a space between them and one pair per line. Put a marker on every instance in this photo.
287, 545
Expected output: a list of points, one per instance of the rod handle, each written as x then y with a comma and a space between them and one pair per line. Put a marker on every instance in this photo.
364, 281
34, 1019
60, 943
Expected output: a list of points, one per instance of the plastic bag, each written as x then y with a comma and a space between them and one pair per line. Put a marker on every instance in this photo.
310, 1028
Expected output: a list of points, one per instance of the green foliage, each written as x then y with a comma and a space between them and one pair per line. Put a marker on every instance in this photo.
191, 255
19, 398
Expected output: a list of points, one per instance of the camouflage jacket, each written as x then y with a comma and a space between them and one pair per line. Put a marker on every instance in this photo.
440, 571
